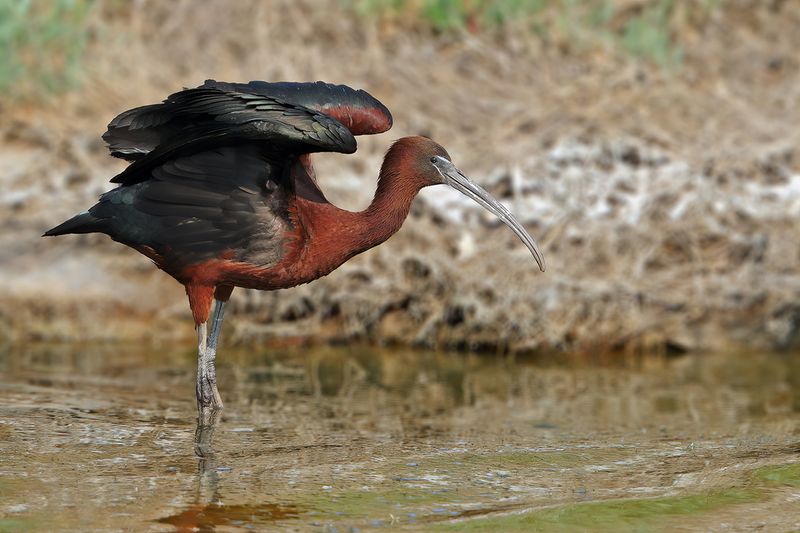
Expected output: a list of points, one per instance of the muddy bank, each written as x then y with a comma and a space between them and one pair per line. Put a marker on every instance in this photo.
644, 252
666, 201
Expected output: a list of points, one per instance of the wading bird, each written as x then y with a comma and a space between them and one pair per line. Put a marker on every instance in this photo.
220, 192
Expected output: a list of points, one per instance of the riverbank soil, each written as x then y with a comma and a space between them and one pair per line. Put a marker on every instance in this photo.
663, 189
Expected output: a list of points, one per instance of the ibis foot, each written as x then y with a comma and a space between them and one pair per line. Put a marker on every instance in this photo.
207, 421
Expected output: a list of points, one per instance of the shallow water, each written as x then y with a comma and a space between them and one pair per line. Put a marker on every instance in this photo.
103, 439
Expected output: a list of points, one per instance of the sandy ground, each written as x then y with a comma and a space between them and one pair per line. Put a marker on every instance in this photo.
666, 199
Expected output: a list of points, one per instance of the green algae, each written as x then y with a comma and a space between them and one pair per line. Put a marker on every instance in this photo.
618, 516
7, 525
638, 515
786, 475
28, 524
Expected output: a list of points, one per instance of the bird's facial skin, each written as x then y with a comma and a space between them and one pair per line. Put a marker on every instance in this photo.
453, 177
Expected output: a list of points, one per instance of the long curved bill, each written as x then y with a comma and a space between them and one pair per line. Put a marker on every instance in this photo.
457, 180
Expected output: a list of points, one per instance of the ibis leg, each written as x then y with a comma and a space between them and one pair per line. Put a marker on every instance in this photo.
208, 398
216, 326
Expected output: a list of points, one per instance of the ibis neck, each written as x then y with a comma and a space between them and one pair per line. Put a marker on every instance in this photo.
387, 211
336, 235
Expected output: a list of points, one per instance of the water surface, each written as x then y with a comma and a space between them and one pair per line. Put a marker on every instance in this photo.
102, 438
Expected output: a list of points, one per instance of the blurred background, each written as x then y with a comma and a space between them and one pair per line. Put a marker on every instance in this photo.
649, 145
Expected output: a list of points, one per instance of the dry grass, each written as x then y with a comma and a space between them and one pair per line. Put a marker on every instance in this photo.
665, 198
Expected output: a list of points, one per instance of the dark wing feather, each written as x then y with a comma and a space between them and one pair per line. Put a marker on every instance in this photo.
197, 207
358, 110
195, 120
136, 132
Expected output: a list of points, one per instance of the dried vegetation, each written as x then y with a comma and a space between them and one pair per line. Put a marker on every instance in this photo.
654, 158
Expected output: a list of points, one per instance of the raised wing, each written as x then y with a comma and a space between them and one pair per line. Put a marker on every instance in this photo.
135, 133
357, 110
204, 118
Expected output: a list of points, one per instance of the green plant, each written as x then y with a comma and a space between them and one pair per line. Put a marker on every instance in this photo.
646, 30
446, 14
648, 34
42, 44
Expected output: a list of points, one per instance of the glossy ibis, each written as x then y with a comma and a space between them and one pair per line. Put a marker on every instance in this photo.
220, 192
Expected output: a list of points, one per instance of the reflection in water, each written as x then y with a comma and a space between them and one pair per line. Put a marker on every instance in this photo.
208, 510
364, 438
208, 517
204, 440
